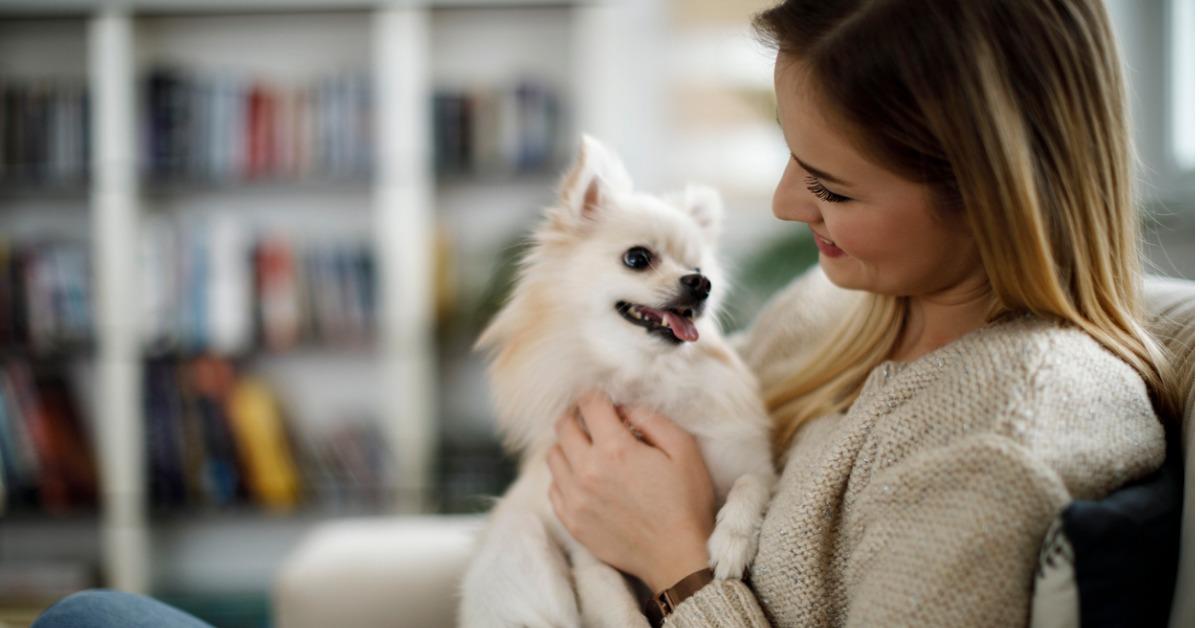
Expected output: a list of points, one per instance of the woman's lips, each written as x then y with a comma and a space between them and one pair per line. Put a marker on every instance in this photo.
826, 247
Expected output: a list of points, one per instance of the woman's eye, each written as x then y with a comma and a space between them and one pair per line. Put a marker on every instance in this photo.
638, 258
822, 192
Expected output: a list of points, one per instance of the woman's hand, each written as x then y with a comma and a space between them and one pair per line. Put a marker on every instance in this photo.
646, 508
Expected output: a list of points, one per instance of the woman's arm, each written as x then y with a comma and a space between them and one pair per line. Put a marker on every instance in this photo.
721, 603
947, 537
951, 536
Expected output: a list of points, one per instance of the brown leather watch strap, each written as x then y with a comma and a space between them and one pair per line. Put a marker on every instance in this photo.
661, 605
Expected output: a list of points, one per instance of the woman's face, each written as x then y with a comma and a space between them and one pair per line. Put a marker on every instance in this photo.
886, 227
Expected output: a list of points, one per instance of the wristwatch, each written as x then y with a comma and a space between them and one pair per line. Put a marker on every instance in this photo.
661, 605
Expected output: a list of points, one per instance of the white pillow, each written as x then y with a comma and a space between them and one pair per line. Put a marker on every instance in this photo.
1055, 594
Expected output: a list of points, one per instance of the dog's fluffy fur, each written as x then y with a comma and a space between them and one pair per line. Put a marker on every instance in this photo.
566, 328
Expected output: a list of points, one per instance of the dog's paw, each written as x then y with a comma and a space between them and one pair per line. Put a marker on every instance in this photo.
730, 551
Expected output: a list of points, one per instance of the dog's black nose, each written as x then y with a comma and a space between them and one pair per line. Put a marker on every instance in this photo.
697, 285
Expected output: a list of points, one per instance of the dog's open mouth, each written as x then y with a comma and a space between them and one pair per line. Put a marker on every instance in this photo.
674, 324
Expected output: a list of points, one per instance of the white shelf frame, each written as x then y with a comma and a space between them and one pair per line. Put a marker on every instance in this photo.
118, 421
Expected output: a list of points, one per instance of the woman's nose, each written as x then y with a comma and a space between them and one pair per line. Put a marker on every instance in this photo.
792, 200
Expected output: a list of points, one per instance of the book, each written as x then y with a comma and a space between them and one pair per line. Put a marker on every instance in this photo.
48, 456
496, 131
45, 296
258, 428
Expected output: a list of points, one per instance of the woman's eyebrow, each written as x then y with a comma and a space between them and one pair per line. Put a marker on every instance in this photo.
821, 174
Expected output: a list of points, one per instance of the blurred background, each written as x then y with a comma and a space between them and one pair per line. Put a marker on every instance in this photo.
245, 248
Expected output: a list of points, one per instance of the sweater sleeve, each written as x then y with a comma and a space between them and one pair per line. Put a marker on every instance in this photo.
720, 603
952, 537
791, 318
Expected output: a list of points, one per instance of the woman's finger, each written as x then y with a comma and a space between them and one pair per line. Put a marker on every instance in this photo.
601, 419
661, 431
571, 437
556, 500
560, 467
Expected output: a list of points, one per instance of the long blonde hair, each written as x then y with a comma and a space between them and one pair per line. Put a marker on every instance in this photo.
1014, 112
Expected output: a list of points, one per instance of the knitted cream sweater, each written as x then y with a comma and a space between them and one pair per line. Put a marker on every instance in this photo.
926, 502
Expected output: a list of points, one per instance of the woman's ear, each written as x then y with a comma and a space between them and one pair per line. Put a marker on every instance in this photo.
594, 179
704, 205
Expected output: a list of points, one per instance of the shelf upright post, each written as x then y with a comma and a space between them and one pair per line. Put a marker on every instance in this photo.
403, 218
619, 95
114, 201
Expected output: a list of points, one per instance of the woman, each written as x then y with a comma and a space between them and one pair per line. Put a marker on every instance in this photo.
968, 356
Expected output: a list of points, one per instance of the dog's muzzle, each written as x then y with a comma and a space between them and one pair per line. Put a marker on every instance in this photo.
675, 321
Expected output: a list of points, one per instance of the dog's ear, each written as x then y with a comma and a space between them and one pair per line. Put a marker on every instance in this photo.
704, 205
595, 177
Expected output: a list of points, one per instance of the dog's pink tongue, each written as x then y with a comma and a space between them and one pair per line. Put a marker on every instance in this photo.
682, 327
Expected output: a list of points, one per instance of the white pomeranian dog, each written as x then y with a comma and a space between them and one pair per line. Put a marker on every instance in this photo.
618, 292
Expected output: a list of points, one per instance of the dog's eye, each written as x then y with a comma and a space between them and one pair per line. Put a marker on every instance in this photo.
638, 258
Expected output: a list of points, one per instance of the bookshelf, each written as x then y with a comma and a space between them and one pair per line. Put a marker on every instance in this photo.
418, 220
45, 249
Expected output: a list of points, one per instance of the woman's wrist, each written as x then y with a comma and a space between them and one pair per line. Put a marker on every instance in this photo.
676, 567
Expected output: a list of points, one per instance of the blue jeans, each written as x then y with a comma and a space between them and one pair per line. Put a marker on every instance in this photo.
103, 608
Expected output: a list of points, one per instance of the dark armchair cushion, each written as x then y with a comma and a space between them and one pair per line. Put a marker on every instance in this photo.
1126, 549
